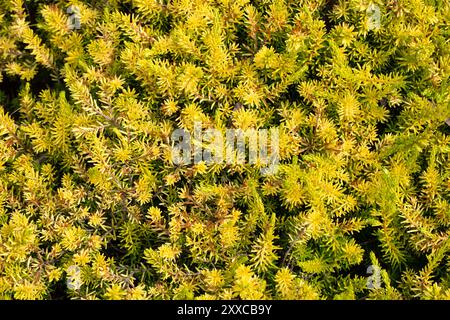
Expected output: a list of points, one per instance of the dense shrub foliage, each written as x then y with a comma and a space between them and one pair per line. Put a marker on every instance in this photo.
92, 205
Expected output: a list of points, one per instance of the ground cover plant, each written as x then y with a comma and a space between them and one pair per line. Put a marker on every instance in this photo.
93, 204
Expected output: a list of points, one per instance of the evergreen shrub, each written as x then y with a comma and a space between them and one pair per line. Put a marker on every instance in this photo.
93, 206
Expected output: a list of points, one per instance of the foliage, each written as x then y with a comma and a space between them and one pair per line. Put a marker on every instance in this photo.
93, 207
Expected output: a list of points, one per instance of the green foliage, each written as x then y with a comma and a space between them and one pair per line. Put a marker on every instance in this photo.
89, 194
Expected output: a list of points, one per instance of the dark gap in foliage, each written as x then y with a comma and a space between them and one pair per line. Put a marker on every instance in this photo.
9, 92
326, 12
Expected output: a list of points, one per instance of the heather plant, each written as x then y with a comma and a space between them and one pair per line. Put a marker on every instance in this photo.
95, 204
